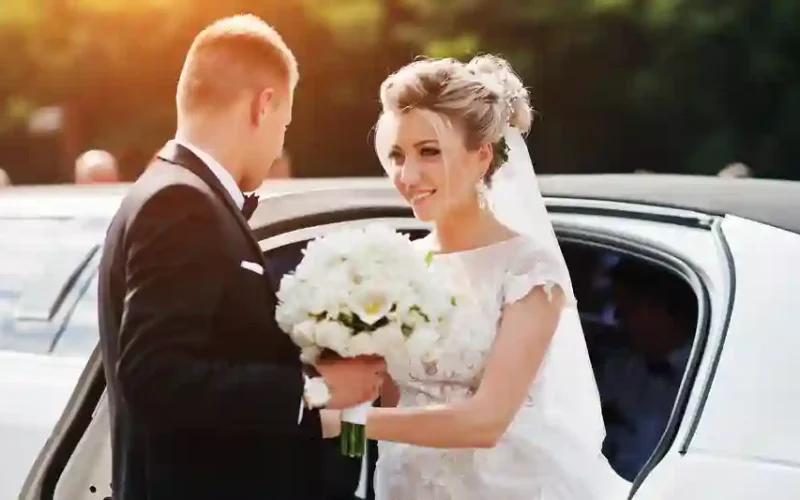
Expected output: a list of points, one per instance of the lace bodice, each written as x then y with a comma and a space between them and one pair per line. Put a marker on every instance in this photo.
484, 279
487, 279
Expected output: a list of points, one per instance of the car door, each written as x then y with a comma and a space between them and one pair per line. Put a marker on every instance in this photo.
690, 243
686, 242
41, 276
743, 440
683, 241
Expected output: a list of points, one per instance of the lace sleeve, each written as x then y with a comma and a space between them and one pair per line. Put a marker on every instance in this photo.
531, 267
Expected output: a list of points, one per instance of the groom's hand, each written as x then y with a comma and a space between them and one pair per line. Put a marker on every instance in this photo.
353, 380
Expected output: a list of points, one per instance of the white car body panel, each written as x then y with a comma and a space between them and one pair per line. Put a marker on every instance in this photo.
35, 390
747, 443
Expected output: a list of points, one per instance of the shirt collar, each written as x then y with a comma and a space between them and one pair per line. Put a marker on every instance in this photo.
225, 177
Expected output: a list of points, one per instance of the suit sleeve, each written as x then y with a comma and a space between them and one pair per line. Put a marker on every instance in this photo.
177, 269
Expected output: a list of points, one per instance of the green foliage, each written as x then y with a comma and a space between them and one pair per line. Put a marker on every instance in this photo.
664, 85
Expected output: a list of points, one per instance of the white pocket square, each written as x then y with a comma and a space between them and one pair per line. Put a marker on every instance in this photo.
252, 266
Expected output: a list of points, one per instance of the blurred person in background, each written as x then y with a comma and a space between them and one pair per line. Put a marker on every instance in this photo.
640, 382
5, 180
736, 171
96, 166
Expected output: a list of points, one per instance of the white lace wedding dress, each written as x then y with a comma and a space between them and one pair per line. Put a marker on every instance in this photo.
545, 454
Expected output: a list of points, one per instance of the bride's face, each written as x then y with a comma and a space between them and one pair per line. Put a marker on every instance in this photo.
429, 163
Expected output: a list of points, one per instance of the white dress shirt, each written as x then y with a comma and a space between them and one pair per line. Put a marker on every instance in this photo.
225, 177
229, 183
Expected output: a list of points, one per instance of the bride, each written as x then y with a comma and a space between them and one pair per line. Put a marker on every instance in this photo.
510, 409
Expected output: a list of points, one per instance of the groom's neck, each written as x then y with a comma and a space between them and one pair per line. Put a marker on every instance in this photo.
216, 142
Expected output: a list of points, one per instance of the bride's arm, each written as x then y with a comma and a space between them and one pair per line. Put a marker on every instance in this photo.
524, 333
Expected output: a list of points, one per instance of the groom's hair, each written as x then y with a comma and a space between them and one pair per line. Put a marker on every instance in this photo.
231, 55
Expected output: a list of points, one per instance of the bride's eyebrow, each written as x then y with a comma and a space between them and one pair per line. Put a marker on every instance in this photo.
426, 142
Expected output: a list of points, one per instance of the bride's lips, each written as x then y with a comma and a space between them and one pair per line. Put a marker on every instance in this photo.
419, 196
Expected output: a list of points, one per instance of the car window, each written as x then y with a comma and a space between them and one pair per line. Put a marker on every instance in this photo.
80, 334
38, 260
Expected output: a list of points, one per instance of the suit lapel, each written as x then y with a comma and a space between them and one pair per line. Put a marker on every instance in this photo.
176, 154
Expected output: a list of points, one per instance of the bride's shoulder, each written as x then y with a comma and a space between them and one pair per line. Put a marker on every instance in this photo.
528, 264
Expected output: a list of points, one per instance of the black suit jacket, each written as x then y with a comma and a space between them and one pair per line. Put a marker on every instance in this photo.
204, 389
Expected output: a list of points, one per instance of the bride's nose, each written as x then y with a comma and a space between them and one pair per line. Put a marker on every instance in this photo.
410, 173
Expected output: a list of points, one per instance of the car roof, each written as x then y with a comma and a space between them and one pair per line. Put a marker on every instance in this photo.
774, 202
769, 201
61, 200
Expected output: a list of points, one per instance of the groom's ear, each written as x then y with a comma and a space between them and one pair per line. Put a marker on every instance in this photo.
263, 101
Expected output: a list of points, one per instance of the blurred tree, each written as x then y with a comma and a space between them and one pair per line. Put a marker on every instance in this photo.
666, 85
663, 85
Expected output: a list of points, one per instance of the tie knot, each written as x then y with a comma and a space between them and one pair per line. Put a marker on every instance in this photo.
250, 205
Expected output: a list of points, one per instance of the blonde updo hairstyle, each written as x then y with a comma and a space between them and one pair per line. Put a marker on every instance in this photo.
480, 98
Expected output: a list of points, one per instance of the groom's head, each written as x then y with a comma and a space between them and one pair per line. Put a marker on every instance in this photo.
238, 82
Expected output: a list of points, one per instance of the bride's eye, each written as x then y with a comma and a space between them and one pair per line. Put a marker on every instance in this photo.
429, 152
395, 156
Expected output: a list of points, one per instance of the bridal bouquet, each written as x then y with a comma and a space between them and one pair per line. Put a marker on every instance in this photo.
364, 291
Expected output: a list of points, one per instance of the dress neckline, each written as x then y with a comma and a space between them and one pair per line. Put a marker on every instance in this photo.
476, 250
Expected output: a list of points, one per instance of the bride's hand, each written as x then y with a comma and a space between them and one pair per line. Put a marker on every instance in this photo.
331, 423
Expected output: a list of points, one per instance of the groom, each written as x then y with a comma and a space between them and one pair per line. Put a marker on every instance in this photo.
208, 397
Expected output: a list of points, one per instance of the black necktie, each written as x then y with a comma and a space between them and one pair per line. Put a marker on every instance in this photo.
250, 205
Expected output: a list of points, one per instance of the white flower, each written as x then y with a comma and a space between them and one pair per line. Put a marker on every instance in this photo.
309, 355
362, 344
304, 333
369, 303
350, 280
389, 338
334, 336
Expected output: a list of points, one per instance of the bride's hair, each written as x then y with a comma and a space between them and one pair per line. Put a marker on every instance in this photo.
480, 97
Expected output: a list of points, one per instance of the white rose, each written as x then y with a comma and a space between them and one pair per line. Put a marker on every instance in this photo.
309, 355
369, 303
333, 335
362, 344
288, 314
388, 338
304, 333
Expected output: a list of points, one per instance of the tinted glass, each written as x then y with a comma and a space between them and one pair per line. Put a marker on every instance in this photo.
26, 246
80, 336
32, 254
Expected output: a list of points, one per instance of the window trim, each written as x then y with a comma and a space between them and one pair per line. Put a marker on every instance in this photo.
80, 289
684, 269
59, 299
730, 297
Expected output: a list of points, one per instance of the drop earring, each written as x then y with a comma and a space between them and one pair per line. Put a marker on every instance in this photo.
482, 191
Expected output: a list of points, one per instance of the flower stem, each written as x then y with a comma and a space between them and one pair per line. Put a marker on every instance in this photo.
353, 440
